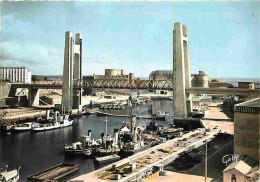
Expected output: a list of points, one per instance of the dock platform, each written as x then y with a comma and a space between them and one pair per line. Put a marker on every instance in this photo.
55, 173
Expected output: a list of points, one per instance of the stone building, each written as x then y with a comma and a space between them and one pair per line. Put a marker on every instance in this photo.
248, 85
108, 80
117, 74
161, 75
246, 132
217, 83
15, 74
197, 80
200, 80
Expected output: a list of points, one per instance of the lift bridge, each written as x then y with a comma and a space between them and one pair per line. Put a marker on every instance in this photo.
126, 84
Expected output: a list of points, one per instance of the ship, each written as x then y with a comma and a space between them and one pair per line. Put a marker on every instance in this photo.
58, 121
22, 127
132, 148
9, 176
84, 146
131, 139
74, 148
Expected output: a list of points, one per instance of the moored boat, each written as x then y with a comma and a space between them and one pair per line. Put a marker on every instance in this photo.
54, 123
9, 176
161, 116
44, 127
22, 127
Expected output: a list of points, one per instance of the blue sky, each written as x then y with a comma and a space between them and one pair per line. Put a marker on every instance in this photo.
134, 36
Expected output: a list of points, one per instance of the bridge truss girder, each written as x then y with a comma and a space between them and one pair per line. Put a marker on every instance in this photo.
128, 84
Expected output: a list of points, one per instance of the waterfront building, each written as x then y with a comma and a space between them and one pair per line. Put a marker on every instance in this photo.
197, 80
246, 128
248, 85
15, 74
200, 80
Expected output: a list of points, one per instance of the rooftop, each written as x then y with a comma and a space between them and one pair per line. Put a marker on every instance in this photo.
162, 72
251, 103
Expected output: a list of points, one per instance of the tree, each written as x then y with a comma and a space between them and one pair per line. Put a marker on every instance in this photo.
45, 78
34, 78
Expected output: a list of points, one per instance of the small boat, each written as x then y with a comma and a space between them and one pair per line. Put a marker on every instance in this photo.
105, 159
9, 176
22, 127
161, 116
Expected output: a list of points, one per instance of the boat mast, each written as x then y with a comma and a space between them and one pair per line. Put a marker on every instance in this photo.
106, 124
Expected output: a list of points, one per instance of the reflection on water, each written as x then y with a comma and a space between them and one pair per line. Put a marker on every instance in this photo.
37, 151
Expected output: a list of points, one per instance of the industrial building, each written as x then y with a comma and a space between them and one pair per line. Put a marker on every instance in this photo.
15, 74
246, 128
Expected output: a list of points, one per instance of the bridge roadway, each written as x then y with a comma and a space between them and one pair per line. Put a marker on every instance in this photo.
156, 158
194, 90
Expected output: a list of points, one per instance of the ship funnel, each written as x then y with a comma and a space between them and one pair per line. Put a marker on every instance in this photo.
133, 121
89, 133
116, 136
56, 116
135, 135
48, 113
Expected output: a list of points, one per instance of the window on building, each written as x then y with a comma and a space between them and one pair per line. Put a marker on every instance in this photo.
233, 178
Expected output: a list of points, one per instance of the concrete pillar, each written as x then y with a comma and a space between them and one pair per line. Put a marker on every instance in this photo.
77, 72
67, 72
181, 70
72, 73
33, 95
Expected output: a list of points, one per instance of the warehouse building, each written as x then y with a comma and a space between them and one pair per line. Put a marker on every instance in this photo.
15, 74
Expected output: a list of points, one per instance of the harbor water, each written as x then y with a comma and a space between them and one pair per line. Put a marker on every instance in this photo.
34, 152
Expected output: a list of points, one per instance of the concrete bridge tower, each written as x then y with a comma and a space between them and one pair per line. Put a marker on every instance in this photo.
181, 70
72, 73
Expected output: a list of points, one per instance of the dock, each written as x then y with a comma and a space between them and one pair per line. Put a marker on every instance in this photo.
101, 113
55, 173
144, 162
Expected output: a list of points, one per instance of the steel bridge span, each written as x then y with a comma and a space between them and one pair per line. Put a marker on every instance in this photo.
141, 84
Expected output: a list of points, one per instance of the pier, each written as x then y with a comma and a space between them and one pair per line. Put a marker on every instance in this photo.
145, 161
55, 173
